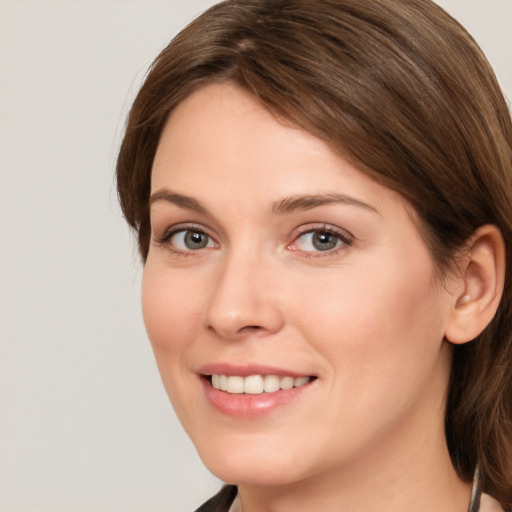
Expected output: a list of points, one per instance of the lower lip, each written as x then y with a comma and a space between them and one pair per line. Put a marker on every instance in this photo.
251, 406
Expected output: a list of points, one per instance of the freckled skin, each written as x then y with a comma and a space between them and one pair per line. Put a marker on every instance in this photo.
366, 318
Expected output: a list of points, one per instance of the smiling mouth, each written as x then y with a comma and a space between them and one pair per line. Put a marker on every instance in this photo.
256, 384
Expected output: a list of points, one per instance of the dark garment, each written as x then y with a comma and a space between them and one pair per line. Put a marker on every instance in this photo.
221, 501
225, 497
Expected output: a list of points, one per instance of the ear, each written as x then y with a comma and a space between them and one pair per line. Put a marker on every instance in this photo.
480, 285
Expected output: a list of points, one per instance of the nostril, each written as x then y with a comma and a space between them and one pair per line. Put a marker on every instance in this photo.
246, 330
250, 328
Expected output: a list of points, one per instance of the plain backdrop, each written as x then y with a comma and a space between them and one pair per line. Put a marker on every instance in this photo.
85, 424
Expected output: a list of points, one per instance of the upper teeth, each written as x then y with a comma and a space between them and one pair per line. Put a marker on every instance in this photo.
256, 384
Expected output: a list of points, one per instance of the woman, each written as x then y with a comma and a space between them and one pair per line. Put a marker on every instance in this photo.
322, 195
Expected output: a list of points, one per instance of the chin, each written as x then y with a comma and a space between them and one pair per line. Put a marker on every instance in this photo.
251, 465
246, 473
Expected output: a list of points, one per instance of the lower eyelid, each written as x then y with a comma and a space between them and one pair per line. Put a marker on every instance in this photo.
343, 238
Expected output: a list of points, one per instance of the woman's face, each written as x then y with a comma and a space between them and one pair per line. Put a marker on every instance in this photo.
275, 263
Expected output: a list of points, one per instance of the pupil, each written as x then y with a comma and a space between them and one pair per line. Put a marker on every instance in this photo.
324, 241
195, 240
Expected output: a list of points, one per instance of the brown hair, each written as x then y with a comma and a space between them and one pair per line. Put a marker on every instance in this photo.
400, 88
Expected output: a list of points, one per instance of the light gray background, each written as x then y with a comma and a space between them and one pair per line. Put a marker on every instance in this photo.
84, 421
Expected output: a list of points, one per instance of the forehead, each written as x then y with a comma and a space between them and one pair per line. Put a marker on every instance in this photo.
221, 145
225, 123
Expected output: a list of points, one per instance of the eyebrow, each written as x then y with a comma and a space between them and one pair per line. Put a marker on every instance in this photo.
307, 202
283, 206
180, 200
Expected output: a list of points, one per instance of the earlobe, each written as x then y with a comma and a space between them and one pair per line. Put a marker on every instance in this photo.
482, 275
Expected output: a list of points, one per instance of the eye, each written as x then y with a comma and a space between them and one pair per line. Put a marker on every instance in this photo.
320, 240
190, 240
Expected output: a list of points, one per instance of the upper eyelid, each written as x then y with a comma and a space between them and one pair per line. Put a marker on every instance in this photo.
346, 238
176, 228
168, 224
171, 230
343, 233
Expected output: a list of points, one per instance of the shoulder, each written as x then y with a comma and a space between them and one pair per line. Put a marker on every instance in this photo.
489, 504
221, 501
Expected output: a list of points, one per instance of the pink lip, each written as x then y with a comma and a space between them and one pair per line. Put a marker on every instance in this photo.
245, 405
246, 370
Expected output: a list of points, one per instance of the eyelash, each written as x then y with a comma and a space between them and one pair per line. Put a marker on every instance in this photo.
345, 239
166, 237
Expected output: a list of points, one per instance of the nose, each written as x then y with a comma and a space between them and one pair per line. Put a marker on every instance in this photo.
242, 303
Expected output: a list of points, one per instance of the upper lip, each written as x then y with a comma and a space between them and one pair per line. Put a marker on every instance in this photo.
246, 370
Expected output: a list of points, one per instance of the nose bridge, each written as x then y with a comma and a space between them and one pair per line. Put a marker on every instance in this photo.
242, 301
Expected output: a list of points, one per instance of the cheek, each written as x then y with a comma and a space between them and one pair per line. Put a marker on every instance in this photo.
381, 333
171, 317
386, 315
171, 309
